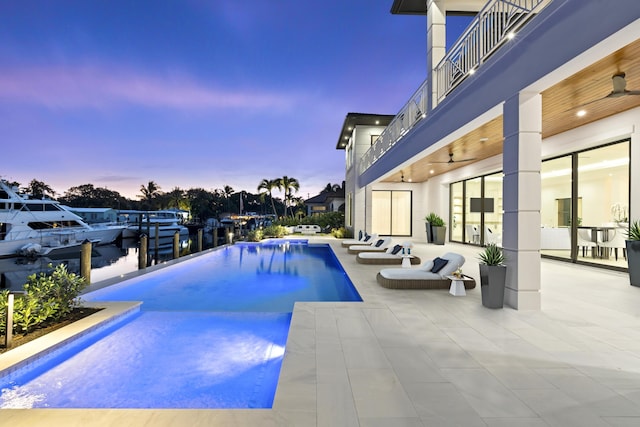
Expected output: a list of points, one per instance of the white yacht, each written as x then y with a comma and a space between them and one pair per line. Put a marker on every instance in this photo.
31, 226
167, 223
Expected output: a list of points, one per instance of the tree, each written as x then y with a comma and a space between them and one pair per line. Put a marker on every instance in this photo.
88, 196
269, 185
331, 188
227, 191
149, 193
289, 185
39, 189
203, 203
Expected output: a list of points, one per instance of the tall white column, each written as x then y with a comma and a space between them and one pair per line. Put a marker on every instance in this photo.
436, 45
522, 130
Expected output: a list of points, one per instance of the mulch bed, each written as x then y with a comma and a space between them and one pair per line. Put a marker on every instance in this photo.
46, 327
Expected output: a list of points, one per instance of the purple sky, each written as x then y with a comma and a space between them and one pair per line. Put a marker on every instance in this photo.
195, 93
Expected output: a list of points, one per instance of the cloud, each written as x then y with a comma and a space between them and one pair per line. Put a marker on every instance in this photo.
109, 87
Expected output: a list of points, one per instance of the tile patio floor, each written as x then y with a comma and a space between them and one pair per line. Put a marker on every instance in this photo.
427, 358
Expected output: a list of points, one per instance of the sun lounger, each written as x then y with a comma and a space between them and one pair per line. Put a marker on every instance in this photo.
365, 239
425, 276
379, 245
393, 255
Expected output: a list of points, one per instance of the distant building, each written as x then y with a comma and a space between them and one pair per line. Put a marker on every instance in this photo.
330, 201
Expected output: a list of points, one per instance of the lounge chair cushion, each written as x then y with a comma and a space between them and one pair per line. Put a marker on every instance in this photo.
438, 264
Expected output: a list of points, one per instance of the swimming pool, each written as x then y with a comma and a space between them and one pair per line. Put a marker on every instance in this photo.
211, 333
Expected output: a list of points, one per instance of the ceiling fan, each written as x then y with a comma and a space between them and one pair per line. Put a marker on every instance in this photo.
450, 161
619, 89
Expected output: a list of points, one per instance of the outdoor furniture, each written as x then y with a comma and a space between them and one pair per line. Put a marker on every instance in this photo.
425, 276
380, 245
365, 240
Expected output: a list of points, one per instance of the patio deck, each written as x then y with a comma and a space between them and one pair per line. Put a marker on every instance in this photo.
427, 358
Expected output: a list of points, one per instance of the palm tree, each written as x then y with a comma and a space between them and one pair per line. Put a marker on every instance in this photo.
269, 185
227, 191
149, 192
289, 185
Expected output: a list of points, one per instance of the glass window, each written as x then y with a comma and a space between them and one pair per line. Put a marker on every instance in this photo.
492, 209
603, 196
456, 212
391, 213
473, 207
555, 207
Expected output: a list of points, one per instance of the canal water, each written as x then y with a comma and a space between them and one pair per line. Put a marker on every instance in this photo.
107, 261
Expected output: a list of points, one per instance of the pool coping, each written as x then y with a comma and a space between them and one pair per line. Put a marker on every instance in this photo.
26, 354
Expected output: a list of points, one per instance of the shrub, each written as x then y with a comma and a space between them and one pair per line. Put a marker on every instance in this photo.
47, 297
435, 220
634, 231
492, 255
328, 220
274, 231
340, 233
255, 235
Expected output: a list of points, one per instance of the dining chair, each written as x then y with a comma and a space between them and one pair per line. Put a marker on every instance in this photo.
585, 242
472, 234
615, 240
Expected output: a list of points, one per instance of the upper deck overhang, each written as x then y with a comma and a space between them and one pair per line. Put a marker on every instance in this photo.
359, 119
545, 57
419, 7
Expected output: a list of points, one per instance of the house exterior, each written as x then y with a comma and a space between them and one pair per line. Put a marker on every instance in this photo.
525, 133
328, 201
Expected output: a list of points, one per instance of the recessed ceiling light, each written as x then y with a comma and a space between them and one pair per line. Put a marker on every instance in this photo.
581, 113
484, 139
431, 171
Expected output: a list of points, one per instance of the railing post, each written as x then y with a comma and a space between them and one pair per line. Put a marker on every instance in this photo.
176, 245
85, 261
8, 336
142, 252
199, 239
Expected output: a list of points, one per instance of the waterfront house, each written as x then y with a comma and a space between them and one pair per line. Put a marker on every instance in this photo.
526, 132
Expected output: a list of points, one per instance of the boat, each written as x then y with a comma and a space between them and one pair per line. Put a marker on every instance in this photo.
36, 227
166, 222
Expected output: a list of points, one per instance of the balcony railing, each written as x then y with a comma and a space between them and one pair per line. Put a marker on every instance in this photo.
412, 112
491, 28
496, 23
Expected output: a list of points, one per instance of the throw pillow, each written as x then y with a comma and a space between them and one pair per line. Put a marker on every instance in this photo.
438, 264
366, 237
396, 249
360, 235
379, 243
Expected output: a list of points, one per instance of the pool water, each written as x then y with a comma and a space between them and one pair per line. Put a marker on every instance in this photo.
211, 334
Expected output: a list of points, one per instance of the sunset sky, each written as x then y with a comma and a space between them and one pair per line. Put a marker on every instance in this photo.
195, 93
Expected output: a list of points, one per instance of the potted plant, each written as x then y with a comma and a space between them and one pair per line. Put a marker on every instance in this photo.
438, 230
493, 274
428, 224
633, 252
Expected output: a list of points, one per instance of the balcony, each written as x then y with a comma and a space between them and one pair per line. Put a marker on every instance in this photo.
493, 26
